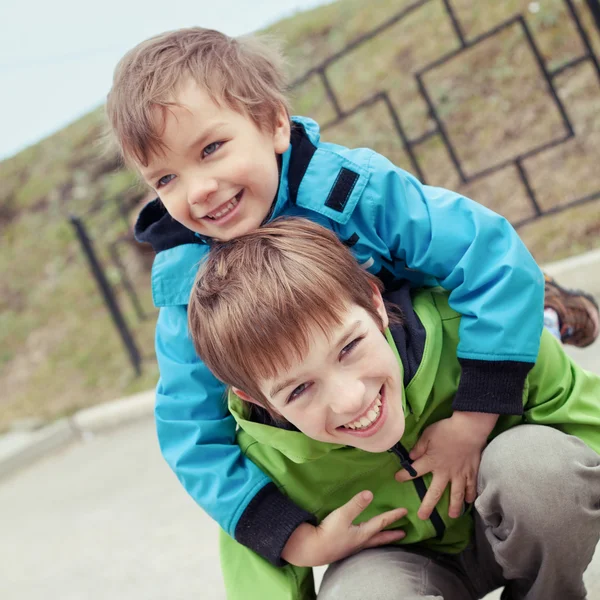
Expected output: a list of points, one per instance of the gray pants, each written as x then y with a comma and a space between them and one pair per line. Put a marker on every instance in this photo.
537, 522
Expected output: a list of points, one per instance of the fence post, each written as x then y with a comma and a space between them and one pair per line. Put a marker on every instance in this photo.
126, 281
107, 293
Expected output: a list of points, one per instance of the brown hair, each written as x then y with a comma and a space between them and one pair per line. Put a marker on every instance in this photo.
244, 73
257, 297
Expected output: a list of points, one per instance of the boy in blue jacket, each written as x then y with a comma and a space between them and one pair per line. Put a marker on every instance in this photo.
205, 120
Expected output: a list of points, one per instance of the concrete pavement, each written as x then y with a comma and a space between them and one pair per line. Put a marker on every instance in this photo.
105, 518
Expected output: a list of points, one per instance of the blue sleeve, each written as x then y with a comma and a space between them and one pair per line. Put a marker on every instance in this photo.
493, 280
196, 434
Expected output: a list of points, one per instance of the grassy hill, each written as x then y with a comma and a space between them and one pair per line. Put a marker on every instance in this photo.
58, 348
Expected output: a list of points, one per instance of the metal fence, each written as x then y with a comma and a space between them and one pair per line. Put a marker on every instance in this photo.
107, 244
438, 128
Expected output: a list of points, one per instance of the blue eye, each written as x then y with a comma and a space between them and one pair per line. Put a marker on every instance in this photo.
211, 148
164, 180
298, 392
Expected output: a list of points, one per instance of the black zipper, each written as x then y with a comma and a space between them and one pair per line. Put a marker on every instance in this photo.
405, 460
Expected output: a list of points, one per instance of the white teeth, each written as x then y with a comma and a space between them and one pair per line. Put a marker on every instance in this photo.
229, 206
369, 418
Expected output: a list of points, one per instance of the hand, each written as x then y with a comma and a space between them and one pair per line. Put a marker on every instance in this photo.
336, 537
451, 450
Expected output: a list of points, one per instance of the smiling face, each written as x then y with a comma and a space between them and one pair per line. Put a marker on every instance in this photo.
347, 389
218, 174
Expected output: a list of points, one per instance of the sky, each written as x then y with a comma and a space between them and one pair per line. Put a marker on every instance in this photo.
57, 58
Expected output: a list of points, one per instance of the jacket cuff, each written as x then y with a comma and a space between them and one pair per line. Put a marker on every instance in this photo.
268, 522
494, 387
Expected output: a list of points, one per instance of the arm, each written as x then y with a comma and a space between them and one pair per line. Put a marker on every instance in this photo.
561, 394
493, 280
248, 576
196, 434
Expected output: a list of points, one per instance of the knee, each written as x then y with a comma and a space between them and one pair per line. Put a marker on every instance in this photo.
531, 469
386, 573
518, 456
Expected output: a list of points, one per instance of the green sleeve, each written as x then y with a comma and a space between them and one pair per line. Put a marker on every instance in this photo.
248, 576
563, 395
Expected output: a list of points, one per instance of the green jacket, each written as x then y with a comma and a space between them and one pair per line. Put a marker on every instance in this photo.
320, 477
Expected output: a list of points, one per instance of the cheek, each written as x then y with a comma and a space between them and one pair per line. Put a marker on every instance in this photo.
175, 205
309, 422
259, 169
388, 361
243, 171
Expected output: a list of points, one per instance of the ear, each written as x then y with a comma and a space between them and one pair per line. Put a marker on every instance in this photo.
379, 306
244, 396
282, 131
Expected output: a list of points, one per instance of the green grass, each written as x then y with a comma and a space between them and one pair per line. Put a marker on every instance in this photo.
59, 349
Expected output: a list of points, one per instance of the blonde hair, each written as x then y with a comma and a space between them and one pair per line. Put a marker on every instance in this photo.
245, 74
256, 299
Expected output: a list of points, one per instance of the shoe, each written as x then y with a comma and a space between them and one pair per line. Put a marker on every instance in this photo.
577, 313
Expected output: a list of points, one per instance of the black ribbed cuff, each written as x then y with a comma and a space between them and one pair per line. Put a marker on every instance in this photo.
494, 387
268, 522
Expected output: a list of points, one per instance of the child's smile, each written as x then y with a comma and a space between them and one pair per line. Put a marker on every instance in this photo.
370, 421
227, 209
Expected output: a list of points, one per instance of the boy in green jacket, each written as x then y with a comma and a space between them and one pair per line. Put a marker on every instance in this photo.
331, 389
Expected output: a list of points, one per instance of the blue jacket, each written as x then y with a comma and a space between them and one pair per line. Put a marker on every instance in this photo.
399, 230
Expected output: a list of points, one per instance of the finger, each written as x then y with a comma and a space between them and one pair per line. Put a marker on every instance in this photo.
421, 466
352, 509
384, 537
419, 448
470, 491
457, 497
432, 497
375, 524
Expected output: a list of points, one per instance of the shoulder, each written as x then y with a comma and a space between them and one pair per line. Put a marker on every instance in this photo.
335, 179
173, 274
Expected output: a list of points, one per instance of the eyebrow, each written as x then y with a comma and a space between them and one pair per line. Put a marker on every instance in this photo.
207, 133
198, 141
341, 342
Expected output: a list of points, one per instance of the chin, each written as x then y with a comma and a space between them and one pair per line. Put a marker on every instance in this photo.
384, 441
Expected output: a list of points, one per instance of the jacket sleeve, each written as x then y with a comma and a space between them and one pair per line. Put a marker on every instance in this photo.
493, 280
563, 395
247, 576
196, 434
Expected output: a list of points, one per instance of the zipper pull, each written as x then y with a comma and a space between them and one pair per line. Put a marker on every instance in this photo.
405, 460
408, 466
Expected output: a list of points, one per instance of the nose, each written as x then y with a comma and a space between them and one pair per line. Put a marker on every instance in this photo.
201, 189
347, 396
